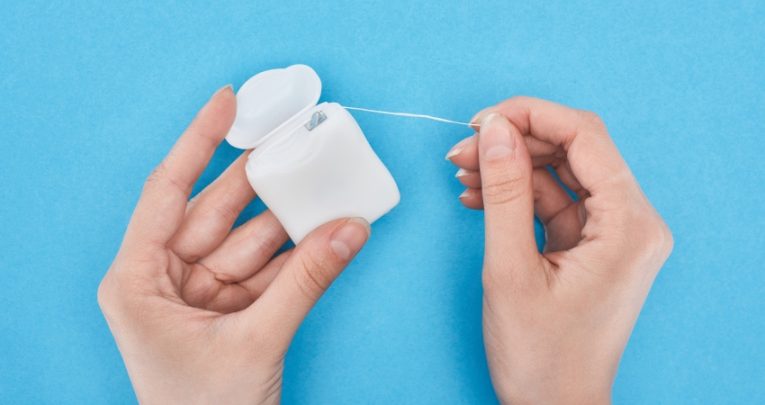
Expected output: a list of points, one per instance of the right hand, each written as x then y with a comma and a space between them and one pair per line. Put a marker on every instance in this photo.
556, 323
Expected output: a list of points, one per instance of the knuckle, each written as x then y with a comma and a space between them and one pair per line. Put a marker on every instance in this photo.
265, 244
224, 212
118, 292
504, 187
314, 276
669, 239
102, 294
647, 235
592, 120
106, 294
660, 240
520, 99
157, 174
160, 177
266, 238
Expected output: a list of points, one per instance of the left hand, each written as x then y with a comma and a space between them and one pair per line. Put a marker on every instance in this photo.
202, 315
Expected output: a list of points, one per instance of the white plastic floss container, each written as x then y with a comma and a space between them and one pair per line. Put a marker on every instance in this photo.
311, 163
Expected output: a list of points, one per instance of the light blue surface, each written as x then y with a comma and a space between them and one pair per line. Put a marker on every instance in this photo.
94, 94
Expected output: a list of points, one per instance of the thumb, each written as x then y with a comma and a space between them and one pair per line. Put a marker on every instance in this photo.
312, 267
508, 196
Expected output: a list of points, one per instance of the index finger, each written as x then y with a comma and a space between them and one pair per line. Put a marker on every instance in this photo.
162, 205
594, 159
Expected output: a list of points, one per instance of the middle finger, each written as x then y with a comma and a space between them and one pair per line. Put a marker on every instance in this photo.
212, 213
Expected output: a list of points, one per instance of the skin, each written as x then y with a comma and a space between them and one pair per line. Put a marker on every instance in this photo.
205, 314
202, 314
556, 323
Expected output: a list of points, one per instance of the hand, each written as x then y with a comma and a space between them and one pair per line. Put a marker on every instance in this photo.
556, 323
202, 315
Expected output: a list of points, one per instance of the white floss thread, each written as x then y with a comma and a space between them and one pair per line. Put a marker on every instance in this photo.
411, 115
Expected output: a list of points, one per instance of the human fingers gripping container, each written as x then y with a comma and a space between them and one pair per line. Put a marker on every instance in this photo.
310, 163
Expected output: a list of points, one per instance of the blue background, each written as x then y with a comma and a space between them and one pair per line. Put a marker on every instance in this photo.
93, 94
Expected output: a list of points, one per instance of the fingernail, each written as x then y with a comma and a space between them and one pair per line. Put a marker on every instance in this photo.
457, 149
224, 88
348, 239
460, 173
476, 120
463, 195
496, 139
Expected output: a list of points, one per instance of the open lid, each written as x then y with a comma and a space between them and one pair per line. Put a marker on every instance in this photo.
268, 100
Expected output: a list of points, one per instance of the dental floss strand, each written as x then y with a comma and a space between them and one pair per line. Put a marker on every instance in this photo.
411, 115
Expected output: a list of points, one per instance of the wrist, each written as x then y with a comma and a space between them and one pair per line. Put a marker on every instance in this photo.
515, 395
546, 381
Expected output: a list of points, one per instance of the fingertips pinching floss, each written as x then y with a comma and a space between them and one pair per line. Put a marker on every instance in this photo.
496, 141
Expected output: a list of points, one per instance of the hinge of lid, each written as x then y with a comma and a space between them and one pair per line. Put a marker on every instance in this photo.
316, 119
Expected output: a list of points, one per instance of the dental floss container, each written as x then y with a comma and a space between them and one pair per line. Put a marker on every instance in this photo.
310, 163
